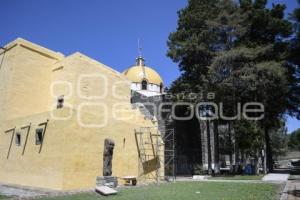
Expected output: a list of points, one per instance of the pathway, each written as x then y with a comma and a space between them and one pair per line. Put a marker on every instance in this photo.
276, 177
19, 192
292, 190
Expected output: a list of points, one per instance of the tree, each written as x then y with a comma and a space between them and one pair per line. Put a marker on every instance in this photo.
294, 65
255, 68
250, 140
243, 53
294, 140
279, 140
294, 68
194, 45
191, 45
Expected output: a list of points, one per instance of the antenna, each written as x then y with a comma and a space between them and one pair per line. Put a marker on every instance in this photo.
139, 48
140, 59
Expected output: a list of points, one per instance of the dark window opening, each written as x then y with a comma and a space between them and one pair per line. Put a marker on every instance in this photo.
39, 136
60, 102
161, 88
18, 139
144, 85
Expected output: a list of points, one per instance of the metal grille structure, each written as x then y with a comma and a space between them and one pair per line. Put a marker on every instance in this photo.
156, 152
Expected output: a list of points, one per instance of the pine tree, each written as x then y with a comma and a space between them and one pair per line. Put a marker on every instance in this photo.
255, 68
242, 53
203, 30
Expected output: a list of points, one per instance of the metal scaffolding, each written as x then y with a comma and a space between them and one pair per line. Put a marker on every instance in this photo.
156, 152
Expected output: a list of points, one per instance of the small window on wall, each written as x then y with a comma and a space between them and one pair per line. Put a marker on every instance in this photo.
18, 139
161, 87
39, 136
144, 85
60, 102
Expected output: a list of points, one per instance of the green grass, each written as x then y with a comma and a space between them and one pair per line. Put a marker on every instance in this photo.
237, 177
3, 197
189, 191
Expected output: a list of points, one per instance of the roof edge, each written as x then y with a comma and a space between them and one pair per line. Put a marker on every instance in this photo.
91, 60
34, 47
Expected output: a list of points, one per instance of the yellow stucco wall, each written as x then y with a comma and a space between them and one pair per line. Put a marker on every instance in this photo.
71, 155
33, 168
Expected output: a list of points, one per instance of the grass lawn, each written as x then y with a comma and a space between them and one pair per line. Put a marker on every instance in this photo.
3, 197
237, 177
189, 191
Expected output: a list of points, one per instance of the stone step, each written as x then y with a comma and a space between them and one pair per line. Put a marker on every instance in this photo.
104, 190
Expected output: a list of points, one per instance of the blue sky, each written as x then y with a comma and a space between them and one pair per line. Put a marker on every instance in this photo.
104, 30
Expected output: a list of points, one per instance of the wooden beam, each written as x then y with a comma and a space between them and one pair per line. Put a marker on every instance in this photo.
28, 130
11, 141
45, 124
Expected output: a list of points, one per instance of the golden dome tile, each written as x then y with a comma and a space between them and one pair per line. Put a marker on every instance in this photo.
138, 73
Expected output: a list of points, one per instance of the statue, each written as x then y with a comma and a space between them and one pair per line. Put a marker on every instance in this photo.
108, 156
107, 179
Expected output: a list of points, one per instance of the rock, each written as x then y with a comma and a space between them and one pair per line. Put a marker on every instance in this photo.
110, 181
104, 190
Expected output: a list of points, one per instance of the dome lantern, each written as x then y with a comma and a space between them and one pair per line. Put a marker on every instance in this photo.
140, 61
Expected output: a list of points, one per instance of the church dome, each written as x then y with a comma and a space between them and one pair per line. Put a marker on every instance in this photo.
140, 72
144, 80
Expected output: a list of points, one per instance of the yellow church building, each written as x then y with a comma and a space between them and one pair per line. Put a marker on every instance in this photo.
56, 111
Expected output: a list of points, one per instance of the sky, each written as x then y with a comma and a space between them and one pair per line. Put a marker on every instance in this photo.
105, 30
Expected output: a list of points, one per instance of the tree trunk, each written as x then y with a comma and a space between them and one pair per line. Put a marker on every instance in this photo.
237, 155
268, 151
264, 159
216, 146
208, 148
256, 164
237, 159
243, 160
230, 146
